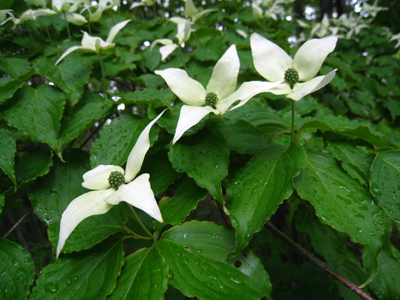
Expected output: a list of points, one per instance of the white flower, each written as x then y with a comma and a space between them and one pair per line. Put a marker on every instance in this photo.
192, 12
219, 95
143, 3
396, 37
29, 15
101, 7
74, 18
95, 43
65, 5
183, 34
135, 191
274, 64
373, 9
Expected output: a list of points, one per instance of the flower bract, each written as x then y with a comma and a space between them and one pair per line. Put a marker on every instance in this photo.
95, 43
104, 195
219, 95
272, 62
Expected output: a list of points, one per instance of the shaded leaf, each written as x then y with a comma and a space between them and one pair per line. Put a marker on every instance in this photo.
340, 201
8, 149
17, 273
37, 113
86, 275
144, 276
196, 256
385, 182
260, 186
205, 158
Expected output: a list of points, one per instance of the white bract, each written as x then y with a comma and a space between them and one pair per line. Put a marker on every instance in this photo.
134, 190
65, 5
183, 34
219, 95
143, 3
28, 15
274, 64
95, 43
192, 12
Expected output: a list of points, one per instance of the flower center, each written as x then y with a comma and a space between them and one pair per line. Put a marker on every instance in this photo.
116, 179
211, 99
291, 77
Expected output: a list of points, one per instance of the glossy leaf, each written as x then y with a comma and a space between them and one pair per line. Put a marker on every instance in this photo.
86, 275
51, 195
205, 158
260, 187
340, 125
196, 255
175, 210
149, 96
37, 113
117, 140
144, 276
37, 165
385, 182
8, 149
356, 161
161, 172
8, 86
70, 76
340, 201
17, 271
91, 108
15, 67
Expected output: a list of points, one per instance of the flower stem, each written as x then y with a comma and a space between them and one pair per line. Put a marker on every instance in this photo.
48, 35
140, 222
320, 264
30, 34
293, 114
66, 22
180, 53
103, 78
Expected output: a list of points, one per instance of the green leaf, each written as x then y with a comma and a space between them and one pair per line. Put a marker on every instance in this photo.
340, 201
394, 108
385, 182
260, 186
89, 110
8, 149
356, 161
149, 96
15, 67
34, 166
17, 271
205, 158
87, 275
70, 75
2, 202
117, 140
144, 276
243, 137
8, 87
37, 113
306, 106
51, 195
161, 172
196, 254
211, 50
343, 126
175, 210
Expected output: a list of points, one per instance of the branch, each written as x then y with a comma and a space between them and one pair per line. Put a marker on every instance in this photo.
320, 264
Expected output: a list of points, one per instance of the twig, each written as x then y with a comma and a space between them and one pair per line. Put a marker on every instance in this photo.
320, 264
15, 225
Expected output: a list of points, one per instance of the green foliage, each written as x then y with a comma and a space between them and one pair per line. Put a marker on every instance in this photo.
333, 186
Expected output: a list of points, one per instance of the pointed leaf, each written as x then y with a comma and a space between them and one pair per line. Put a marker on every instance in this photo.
260, 187
37, 113
116, 141
8, 149
8, 87
175, 210
36, 165
87, 275
340, 201
196, 256
15, 67
161, 172
144, 276
205, 158
91, 108
17, 271
340, 125
71, 76
385, 182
